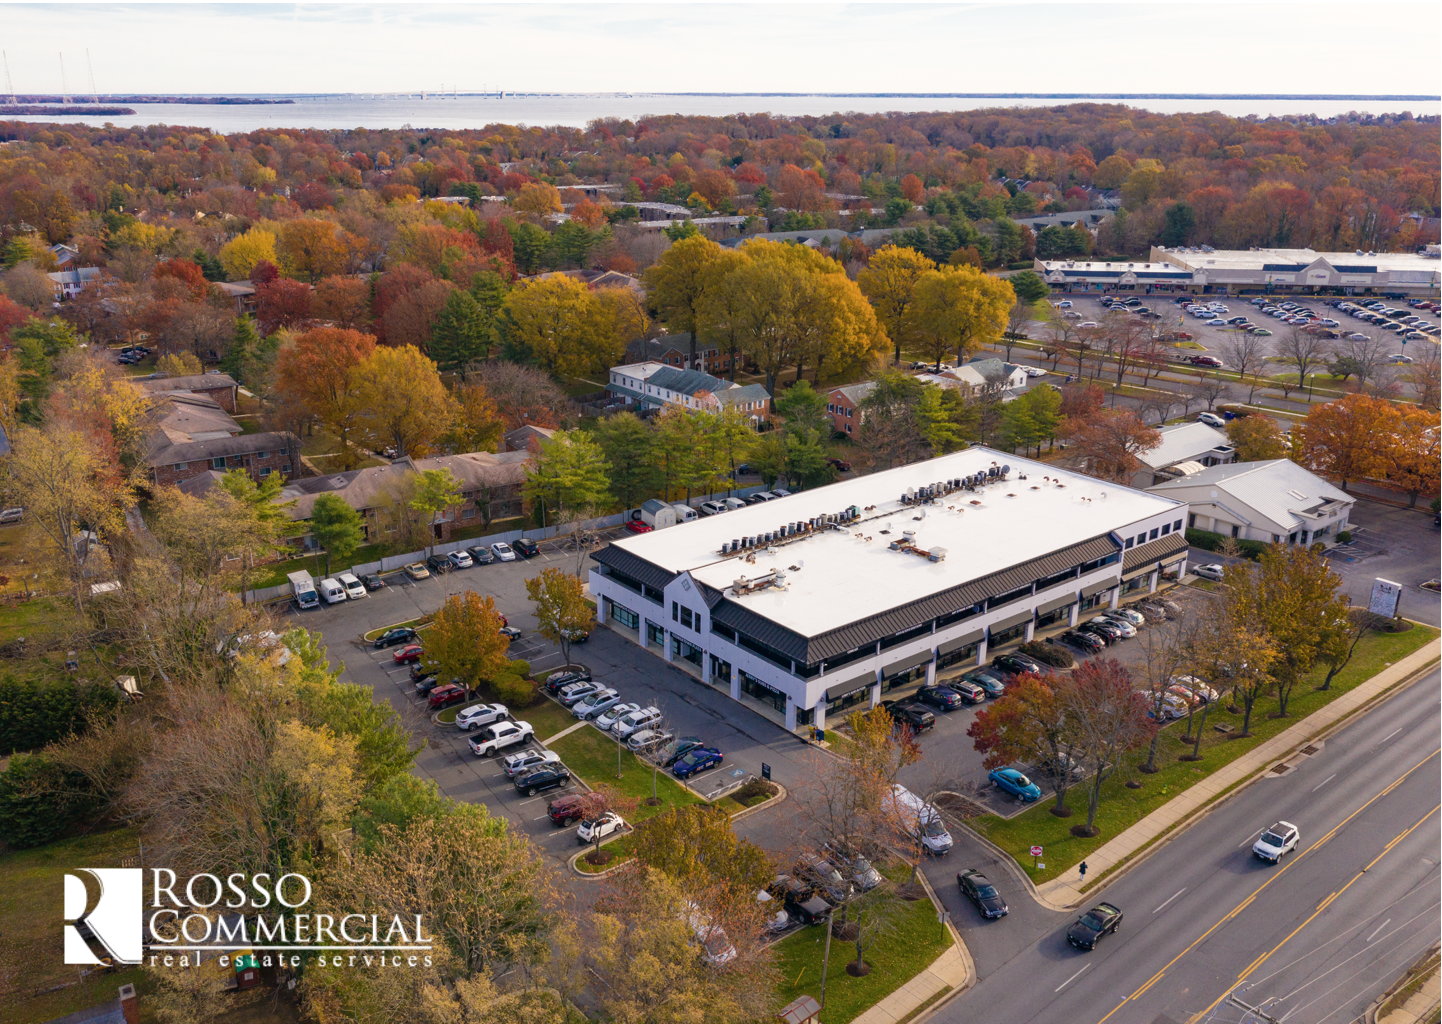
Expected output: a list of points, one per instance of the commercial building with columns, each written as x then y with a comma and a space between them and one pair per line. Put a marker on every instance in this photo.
832, 598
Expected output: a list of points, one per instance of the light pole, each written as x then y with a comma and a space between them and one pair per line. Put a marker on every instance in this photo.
1311, 379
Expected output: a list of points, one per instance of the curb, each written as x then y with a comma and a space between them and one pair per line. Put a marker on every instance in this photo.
1161, 838
1369, 1016
769, 802
598, 875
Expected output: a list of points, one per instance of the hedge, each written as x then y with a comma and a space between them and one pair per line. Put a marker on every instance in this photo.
36, 802
1209, 541
1047, 654
34, 713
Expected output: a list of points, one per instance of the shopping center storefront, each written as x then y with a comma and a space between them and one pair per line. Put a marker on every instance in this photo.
622, 615
1055, 613
961, 651
686, 651
1009, 630
844, 696
753, 687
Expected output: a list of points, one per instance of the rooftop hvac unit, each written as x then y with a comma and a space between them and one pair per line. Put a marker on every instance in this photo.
936, 555
908, 536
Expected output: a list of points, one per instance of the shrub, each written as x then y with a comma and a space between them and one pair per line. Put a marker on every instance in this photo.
514, 691
1344, 537
35, 807
754, 788
1209, 541
1047, 654
520, 667
33, 713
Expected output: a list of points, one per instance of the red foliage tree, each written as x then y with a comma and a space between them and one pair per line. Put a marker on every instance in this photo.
282, 303
263, 272
187, 273
314, 196
12, 314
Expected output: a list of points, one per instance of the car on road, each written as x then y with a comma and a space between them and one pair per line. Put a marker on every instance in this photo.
712, 508
408, 654
574, 693
373, 581
1211, 361
1009, 780
547, 776
523, 761
1210, 571
1015, 664
495, 738
418, 571
1100, 920
566, 810
978, 888
912, 716
1121, 625
479, 715
481, 555
391, 637
603, 825
1088, 325
696, 761
596, 703
634, 721
648, 739
676, 749
445, 696
1276, 842
503, 551
940, 697
1088, 642
557, 680
1199, 688
1398, 357
606, 720
1211, 419
526, 548
991, 681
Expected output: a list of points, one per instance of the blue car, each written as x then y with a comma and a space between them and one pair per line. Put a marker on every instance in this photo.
696, 761
1009, 780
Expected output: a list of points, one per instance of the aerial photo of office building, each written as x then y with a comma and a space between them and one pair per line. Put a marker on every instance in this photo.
810, 605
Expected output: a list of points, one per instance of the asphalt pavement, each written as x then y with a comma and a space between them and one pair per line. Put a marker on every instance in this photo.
1312, 940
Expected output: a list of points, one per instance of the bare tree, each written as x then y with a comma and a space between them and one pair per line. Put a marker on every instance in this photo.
523, 394
1306, 353
1212, 388
1060, 336
1247, 354
1159, 402
1017, 318
1163, 654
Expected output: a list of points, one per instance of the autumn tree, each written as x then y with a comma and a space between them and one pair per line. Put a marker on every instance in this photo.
1295, 594
323, 370
628, 443
311, 249
677, 285
958, 309
523, 394
240, 255
1108, 719
889, 283
562, 612
559, 324
1347, 439
343, 302
1028, 724
436, 491
270, 521
1257, 438
477, 426
464, 642
1240, 649
570, 471
1111, 442
403, 402
282, 304
337, 528
1246, 353
537, 199
1414, 451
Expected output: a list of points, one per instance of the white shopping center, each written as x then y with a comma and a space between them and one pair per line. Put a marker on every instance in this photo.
815, 603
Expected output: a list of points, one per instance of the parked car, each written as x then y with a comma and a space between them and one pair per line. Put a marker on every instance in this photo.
940, 697
428, 682
646, 740
495, 738
823, 878
391, 637
575, 636
503, 551
712, 508
1136, 618
1211, 419
799, 899
1100, 920
526, 548
510, 631
1211, 361
1034, 371
773, 912
1009, 780
1185, 695
538, 780
1172, 707
574, 693
445, 696
677, 749
978, 888
638, 526
1122, 626
840, 465
373, 581
408, 654
1276, 841
460, 560
438, 564
912, 716
1198, 687
523, 761
418, 571
969, 692
594, 829
556, 680
991, 682
481, 555
479, 715
1088, 642
696, 761
595, 703
1108, 630
633, 721
1015, 664
1210, 571
856, 868
606, 720
566, 810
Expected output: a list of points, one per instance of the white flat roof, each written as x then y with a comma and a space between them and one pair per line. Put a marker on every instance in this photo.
1254, 259
845, 578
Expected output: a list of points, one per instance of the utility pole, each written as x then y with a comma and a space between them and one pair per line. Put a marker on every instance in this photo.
826, 957
1255, 1011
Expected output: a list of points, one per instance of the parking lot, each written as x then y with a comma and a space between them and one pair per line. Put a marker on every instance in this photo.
746, 739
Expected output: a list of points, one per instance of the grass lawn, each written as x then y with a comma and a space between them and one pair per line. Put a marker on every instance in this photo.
547, 718
421, 623
324, 450
592, 756
919, 940
1120, 808
29, 618
31, 958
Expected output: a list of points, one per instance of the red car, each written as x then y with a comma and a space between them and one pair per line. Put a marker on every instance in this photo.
638, 526
840, 465
445, 696
408, 654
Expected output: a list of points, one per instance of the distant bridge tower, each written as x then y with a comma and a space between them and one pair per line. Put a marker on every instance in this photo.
94, 94
9, 85
64, 82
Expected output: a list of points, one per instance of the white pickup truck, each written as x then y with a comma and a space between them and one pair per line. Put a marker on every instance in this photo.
495, 738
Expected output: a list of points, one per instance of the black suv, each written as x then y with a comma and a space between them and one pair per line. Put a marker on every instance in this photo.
554, 682
438, 564
1089, 642
1016, 664
525, 547
799, 899
481, 555
391, 637
823, 877
913, 716
537, 780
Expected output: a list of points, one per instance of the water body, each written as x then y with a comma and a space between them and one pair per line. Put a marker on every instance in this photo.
577, 109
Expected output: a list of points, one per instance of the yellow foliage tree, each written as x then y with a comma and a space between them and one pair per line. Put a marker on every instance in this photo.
889, 281
562, 324
465, 641
960, 309
538, 199
240, 255
310, 249
403, 402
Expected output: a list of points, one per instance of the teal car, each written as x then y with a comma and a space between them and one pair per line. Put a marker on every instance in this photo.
1009, 780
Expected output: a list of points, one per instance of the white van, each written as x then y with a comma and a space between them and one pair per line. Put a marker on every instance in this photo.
684, 513
354, 588
914, 815
332, 591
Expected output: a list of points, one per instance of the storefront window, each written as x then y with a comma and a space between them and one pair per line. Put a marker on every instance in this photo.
1006, 636
688, 652
622, 614
656, 635
720, 670
1089, 603
904, 678
957, 657
1139, 583
753, 687
841, 702
1054, 616
805, 716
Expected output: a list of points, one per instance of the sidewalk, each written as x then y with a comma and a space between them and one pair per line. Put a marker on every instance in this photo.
1418, 1005
1065, 892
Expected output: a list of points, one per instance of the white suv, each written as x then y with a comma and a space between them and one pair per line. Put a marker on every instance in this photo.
1276, 841
630, 722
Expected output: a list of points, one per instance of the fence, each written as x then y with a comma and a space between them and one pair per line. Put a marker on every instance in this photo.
392, 563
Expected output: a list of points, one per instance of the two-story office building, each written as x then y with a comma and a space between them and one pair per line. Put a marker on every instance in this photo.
833, 598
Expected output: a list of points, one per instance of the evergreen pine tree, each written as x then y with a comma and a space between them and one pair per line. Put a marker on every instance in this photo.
243, 345
462, 332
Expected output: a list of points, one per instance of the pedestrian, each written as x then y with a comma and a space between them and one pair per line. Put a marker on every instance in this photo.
1083, 869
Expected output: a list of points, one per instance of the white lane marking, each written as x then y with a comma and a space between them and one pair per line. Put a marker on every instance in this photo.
1073, 978
1249, 838
1179, 892
1384, 924
1328, 779
1384, 739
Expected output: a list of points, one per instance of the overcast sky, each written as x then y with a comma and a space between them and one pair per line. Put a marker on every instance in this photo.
678, 47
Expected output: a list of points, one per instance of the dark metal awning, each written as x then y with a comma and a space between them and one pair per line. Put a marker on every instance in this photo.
1152, 552
1053, 605
1011, 620
906, 663
965, 640
1097, 588
850, 686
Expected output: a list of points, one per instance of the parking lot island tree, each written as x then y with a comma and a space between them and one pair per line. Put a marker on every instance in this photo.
1028, 725
1300, 604
465, 642
605, 798
1109, 720
337, 528
563, 614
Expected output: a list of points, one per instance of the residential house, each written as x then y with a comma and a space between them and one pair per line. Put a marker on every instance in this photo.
1276, 502
521, 439
1011, 377
64, 254
242, 293
675, 350
654, 385
1186, 448
844, 406
68, 283
214, 385
190, 435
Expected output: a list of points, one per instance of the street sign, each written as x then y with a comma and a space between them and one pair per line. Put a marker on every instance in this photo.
1036, 851
1385, 598
765, 771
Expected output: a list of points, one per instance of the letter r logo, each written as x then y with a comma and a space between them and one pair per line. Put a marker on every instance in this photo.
114, 922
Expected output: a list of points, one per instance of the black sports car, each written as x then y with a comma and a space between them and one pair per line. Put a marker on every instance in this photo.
1100, 920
